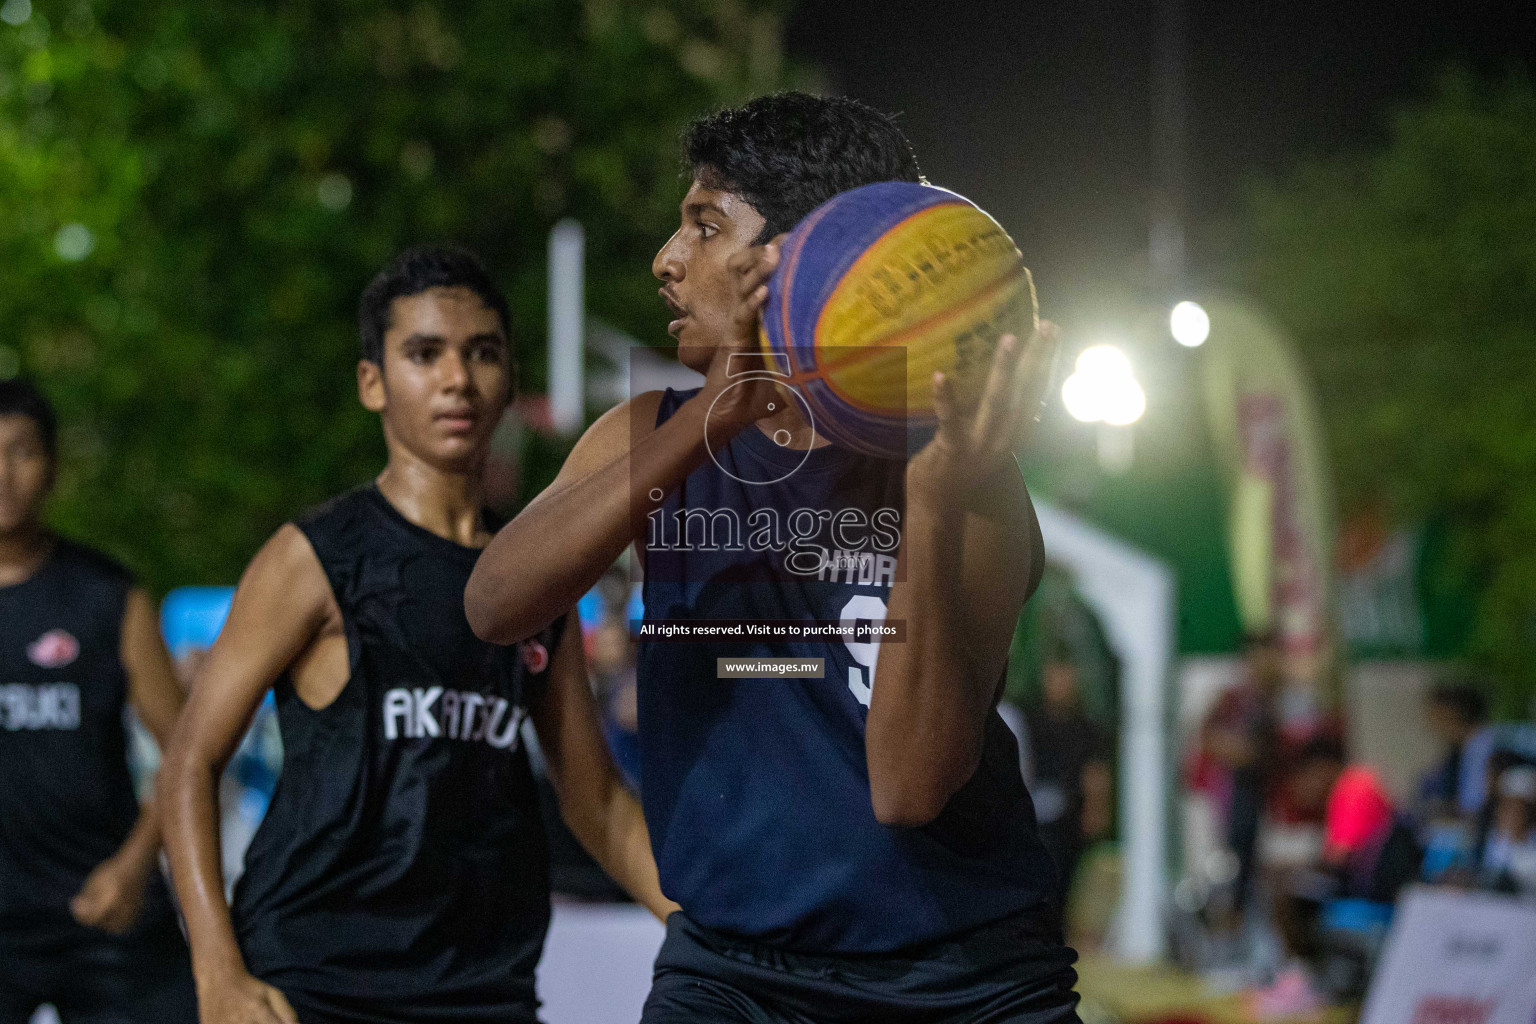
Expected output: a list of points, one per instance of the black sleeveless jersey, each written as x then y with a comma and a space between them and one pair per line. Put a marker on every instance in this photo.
400, 874
66, 797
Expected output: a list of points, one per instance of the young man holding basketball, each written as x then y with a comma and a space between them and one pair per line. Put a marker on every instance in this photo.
400, 874
86, 921
853, 847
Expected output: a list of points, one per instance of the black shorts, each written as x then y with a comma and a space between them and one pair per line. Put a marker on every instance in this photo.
366, 1006
313, 1008
99, 981
1010, 972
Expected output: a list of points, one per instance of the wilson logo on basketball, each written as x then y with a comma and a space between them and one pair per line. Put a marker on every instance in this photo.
535, 656
54, 649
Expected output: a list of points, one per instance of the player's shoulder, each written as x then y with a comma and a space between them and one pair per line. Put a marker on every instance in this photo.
643, 413
344, 507
345, 529
638, 413
285, 579
287, 551
613, 433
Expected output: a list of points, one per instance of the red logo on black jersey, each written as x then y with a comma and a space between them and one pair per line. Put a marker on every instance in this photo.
54, 649
535, 656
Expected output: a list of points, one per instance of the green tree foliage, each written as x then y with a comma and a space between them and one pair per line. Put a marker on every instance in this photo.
1409, 278
192, 196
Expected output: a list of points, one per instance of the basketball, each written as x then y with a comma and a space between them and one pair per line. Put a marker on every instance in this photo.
878, 288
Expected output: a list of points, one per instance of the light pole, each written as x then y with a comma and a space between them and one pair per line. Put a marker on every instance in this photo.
1166, 236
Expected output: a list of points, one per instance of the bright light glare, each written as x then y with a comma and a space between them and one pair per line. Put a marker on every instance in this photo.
16, 12
1104, 390
1190, 324
1081, 399
1103, 361
73, 242
1123, 402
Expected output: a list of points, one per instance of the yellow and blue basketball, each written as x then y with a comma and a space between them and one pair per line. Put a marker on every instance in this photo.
878, 288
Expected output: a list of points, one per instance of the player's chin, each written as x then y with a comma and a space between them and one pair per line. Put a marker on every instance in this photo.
693, 352
458, 450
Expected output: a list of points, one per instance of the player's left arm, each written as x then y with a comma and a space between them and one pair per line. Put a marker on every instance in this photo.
113, 893
970, 555
601, 812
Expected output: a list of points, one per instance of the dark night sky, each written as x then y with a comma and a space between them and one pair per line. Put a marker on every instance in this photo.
1041, 112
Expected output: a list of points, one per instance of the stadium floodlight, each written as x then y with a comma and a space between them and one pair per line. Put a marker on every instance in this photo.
1103, 388
1189, 324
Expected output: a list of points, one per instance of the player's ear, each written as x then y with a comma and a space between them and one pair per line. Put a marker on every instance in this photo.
370, 385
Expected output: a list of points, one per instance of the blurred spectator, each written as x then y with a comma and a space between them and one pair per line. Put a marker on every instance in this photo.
1509, 855
1368, 847
1452, 807
1239, 740
1458, 716
613, 669
1334, 916
1072, 784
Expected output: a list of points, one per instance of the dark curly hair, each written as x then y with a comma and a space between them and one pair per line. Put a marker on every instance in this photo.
1462, 697
20, 397
1324, 748
788, 153
413, 272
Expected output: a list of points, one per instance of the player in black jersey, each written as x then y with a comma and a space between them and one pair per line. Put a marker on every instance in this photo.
85, 917
858, 847
400, 874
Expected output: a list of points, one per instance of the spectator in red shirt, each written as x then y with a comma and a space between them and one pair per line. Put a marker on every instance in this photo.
1368, 848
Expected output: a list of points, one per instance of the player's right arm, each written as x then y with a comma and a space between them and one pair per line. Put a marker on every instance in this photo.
282, 605
543, 561
559, 546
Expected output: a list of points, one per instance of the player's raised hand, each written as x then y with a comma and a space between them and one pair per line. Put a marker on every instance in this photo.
238, 998
739, 353
973, 442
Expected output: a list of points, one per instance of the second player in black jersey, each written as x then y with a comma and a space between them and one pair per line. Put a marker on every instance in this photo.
85, 917
400, 875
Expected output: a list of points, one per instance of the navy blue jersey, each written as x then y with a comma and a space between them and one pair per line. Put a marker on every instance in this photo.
756, 790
